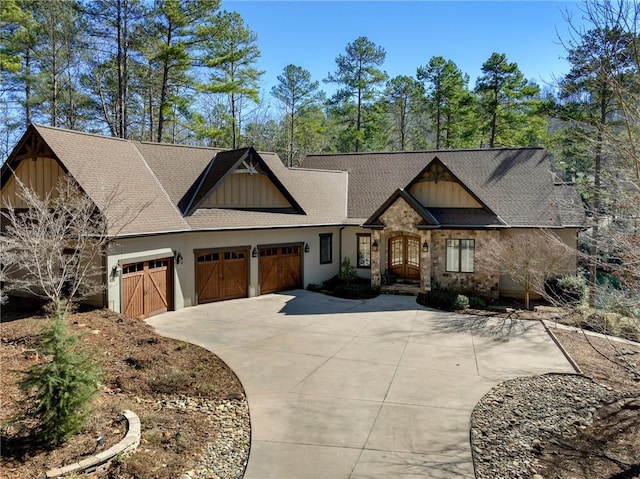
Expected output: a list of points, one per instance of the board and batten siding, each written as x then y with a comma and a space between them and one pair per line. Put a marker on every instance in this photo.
244, 190
41, 175
443, 194
568, 236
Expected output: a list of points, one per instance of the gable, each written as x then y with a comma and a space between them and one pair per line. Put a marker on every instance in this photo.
412, 213
40, 174
238, 179
246, 189
110, 171
436, 187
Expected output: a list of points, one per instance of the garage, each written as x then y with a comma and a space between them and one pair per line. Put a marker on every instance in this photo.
221, 274
280, 268
147, 288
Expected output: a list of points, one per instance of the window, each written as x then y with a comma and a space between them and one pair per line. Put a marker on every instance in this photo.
460, 255
325, 248
364, 251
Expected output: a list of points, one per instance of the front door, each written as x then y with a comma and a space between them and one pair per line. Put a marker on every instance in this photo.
404, 257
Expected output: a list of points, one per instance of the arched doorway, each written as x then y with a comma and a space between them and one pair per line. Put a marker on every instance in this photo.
404, 257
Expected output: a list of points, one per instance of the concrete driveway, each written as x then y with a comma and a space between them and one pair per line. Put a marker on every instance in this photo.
382, 388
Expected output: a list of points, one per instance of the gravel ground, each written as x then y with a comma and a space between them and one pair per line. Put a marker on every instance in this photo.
514, 421
225, 458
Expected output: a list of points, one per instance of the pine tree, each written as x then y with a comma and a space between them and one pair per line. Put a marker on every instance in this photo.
230, 54
298, 94
504, 100
450, 104
63, 386
359, 76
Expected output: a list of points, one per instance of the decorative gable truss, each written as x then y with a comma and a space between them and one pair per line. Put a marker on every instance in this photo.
441, 200
239, 179
35, 165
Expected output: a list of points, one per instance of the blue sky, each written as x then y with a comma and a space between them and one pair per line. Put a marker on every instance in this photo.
311, 34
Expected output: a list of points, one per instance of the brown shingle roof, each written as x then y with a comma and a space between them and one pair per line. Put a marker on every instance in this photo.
176, 166
150, 179
111, 169
321, 194
516, 184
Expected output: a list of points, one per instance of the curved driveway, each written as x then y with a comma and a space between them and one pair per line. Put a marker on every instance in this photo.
382, 388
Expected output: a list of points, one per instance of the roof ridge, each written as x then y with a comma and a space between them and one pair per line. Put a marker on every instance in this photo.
407, 152
181, 145
319, 170
85, 133
161, 186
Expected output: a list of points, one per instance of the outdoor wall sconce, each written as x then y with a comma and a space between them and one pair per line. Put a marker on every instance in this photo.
115, 271
306, 247
425, 247
374, 246
254, 252
178, 257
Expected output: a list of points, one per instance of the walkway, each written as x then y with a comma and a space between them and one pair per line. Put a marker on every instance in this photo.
382, 388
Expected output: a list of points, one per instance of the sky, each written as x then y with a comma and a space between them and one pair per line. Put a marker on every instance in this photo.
311, 34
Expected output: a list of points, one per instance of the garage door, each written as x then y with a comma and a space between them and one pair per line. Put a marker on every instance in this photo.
221, 275
280, 268
147, 288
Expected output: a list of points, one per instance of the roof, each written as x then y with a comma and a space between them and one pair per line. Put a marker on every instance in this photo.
176, 166
158, 187
113, 173
148, 182
517, 184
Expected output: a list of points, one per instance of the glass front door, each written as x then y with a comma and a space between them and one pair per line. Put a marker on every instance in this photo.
404, 257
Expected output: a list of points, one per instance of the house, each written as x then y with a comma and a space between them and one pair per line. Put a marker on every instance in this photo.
194, 224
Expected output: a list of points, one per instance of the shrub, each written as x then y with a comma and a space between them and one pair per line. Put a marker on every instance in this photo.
63, 386
438, 299
347, 272
355, 291
476, 302
611, 324
461, 302
569, 289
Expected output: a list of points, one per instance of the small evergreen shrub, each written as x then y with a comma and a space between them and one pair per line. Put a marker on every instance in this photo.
438, 299
63, 387
348, 273
569, 289
461, 302
476, 302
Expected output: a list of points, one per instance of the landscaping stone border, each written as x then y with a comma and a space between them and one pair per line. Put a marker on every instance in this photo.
101, 462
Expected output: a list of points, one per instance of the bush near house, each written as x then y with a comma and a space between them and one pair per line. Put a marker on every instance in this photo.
356, 288
450, 300
568, 289
444, 299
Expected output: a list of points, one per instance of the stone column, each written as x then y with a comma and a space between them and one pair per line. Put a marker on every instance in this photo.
425, 261
375, 259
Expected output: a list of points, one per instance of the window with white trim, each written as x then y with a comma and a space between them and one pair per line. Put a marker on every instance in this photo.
460, 255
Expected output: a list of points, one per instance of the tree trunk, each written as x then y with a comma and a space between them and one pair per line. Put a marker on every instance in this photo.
27, 86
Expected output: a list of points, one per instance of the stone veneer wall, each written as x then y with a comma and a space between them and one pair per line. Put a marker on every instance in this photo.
399, 220
481, 282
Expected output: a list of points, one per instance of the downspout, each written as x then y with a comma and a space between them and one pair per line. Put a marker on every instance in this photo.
340, 247
105, 277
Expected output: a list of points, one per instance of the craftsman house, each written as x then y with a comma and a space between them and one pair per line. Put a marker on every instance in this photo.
196, 224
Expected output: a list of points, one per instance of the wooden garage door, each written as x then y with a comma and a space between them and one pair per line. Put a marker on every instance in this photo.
221, 275
280, 268
146, 288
